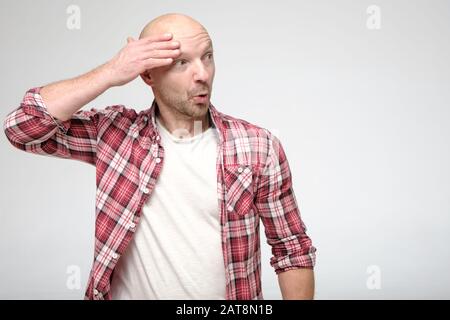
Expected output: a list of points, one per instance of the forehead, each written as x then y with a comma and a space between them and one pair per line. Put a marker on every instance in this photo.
194, 40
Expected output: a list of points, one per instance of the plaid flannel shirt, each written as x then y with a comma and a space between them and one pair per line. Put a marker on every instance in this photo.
253, 183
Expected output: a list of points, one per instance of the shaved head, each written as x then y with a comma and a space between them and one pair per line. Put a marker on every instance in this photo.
176, 23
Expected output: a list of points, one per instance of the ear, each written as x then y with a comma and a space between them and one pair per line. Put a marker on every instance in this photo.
146, 77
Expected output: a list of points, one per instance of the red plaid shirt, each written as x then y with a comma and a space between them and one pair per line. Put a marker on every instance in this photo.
253, 175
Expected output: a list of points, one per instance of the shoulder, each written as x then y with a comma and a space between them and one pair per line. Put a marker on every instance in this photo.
122, 111
121, 115
236, 127
247, 141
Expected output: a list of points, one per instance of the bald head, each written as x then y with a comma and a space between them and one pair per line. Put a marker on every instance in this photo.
176, 23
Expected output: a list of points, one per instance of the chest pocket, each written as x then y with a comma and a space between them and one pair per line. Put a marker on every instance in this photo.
239, 189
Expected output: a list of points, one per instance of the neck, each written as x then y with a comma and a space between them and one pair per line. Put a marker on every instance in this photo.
179, 124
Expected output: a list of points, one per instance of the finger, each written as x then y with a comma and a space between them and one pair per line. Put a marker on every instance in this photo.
164, 45
161, 54
156, 63
156, 38
130, 39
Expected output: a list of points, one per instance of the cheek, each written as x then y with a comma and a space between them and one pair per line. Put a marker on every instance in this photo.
179, 83
174, 88
212, 72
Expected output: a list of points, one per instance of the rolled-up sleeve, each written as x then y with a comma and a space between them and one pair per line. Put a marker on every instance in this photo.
277, 206
33, 129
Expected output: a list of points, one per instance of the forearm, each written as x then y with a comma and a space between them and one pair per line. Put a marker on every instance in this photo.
65, 97
297, 284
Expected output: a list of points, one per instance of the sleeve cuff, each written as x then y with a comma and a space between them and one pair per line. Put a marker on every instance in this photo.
294, 261
34, 105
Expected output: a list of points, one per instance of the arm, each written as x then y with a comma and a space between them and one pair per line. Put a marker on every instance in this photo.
297, 284
33, 129
293, 253
47, 121
64, 98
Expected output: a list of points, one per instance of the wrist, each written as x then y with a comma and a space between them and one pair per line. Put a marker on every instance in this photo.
105, 76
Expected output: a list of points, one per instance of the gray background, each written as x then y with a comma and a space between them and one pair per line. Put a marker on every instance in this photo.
363, 116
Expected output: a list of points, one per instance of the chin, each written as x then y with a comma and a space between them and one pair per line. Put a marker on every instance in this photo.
203, 104
199, 109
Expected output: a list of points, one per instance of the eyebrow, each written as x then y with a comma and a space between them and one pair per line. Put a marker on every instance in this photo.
208, 48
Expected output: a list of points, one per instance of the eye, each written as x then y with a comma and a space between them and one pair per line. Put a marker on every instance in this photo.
209, 55
180, 62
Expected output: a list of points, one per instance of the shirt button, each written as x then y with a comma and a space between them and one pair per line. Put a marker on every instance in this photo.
230, 208
96, 292
158, 160
115, 255
157, 138
136, 134
146, 190
240, 169
131, 225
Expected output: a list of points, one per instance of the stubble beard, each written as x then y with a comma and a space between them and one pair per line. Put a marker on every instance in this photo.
189, 108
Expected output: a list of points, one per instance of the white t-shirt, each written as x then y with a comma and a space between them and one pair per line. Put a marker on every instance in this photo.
176, 252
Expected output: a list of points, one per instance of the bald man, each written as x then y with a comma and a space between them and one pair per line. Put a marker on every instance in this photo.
181, 187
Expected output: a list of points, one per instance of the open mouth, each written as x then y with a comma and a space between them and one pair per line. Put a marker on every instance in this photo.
201, 98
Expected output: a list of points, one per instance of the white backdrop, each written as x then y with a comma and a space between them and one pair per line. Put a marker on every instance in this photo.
357, 91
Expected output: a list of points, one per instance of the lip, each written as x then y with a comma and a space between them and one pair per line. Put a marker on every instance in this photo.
201, 99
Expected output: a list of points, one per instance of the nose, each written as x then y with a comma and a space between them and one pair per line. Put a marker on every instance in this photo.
200, 72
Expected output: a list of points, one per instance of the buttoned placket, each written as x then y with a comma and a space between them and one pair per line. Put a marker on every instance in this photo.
154, 148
